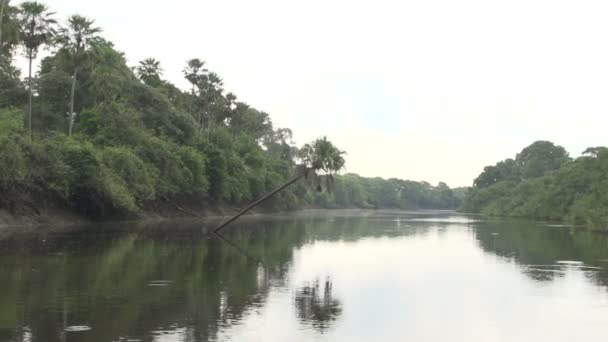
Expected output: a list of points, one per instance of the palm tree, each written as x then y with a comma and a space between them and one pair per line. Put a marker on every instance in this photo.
321, 158
149, 71
76, 40
193, 71
37, 28
198, 76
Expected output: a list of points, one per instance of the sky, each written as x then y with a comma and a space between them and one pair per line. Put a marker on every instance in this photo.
425, 90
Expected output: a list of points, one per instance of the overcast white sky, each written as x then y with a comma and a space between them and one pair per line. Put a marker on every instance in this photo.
425, 90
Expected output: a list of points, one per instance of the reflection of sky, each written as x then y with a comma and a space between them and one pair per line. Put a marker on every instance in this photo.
435, 287
426, 90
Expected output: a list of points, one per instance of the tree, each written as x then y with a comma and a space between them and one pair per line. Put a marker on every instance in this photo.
12, 91
76, 40
541, 157
8, 27
504, 170
37, 29
207, 93
149, 71
319, 157
193, 72
3, 6
595, 151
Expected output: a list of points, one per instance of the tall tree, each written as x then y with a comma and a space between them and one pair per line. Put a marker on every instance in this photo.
76, 40
193, 71
541, 157
149, 71
3, 6
37, 29
207, 92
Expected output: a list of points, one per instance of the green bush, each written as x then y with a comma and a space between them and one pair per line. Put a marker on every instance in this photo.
13, 164
115, 191
112, 124
123, 163
194, 161
11, 121
167, 170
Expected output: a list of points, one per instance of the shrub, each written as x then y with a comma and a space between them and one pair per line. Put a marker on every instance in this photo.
169, 173
194, 161
122, 163
13, 165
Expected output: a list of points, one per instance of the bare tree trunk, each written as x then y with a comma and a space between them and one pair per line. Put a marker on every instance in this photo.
72, 115
3, 4
30, 95
260, 201
209, 122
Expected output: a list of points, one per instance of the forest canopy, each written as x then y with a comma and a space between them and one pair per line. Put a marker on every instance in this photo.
82, 129
544, 182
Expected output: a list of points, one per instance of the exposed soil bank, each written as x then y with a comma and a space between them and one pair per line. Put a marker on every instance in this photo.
33, 213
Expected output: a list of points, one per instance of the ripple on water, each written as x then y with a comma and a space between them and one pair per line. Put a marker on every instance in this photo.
570, 262
160, 283
77, 328
562, 265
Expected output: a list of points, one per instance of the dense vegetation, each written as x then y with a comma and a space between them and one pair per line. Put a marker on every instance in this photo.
353, 191
544, 182
89, 133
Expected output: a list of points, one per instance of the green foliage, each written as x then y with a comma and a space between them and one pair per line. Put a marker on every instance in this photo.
194, 162
9, 28
12, 90
112, 124
11, 121
543, 182
322, 155
354, 191
539, 158
138, 138
13, 165
216, 171
131, 171
36, 25
168, 171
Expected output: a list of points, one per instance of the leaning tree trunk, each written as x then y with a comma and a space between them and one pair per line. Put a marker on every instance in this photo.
30, 95
72, 95
261, 200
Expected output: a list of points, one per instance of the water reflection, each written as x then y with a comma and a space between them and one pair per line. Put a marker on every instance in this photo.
315, 305
333, 276
547, 252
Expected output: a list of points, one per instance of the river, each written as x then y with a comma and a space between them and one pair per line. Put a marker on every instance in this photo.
308, 276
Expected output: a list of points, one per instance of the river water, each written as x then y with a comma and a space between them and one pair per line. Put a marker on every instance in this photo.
309, 276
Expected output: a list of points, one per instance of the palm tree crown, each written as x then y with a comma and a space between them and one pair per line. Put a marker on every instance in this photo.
78, 37
37, 26
322, 155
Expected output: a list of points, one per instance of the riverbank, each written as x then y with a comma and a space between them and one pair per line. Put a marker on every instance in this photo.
41, 213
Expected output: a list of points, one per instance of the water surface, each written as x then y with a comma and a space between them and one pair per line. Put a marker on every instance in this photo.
311, 276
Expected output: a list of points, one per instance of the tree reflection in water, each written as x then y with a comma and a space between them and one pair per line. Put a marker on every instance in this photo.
316, 306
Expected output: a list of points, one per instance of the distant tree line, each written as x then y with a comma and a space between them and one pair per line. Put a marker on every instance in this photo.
354, 191
543, 182
93, 134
